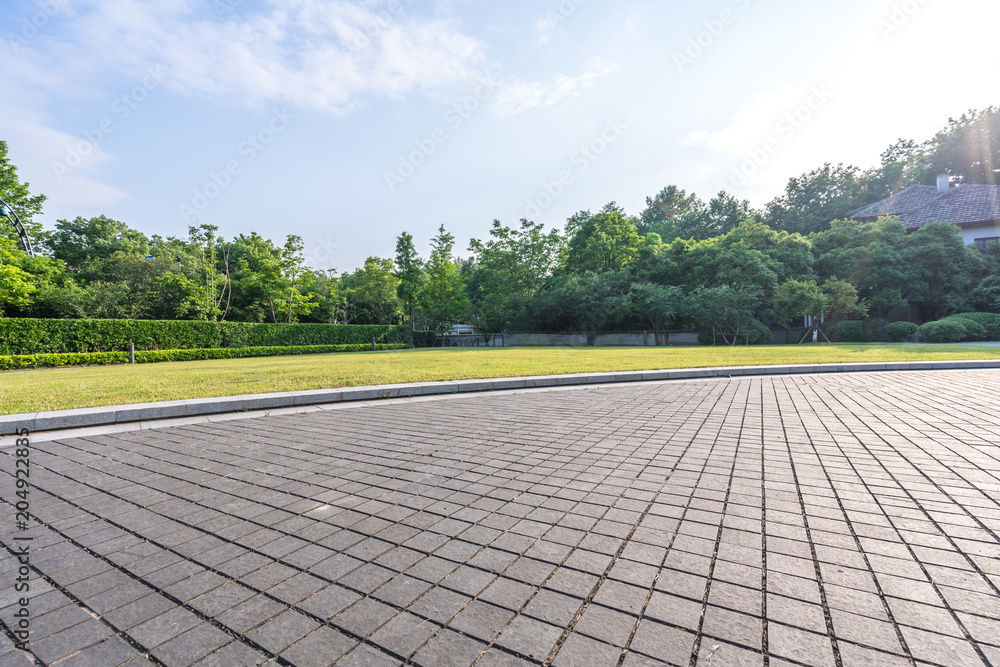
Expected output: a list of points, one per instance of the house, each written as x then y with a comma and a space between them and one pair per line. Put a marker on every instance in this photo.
975, 209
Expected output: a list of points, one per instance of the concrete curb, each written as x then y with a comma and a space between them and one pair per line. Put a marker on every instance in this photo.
144, 412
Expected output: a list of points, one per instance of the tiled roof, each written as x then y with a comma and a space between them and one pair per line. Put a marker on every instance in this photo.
919, 204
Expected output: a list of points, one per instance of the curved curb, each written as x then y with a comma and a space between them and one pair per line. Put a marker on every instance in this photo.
141, 412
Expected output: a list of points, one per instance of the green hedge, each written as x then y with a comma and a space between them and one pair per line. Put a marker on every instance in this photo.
11, 362
21, 336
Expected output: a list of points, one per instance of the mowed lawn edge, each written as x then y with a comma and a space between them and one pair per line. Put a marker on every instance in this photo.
93, 386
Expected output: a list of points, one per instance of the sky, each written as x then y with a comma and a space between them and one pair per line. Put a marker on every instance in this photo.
349, 122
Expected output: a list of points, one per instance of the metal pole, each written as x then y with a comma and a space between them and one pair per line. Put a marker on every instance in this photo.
131, 353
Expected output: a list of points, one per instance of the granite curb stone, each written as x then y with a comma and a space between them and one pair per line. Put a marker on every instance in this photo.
143, 412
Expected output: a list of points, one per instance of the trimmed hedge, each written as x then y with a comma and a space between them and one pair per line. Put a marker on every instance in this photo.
11, 362
25, 336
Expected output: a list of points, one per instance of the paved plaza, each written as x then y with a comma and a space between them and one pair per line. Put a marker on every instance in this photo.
842, 519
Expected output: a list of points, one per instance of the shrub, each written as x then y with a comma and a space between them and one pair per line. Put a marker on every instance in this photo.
989, 321
21, 336
945, 331
10, 362
849, 331
900, 332
974, 331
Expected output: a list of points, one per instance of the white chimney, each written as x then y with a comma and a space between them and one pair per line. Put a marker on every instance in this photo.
944, 182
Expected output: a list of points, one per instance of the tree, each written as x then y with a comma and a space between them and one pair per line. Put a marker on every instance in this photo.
82, 241
813, 200
943, 268
410, 271
25, 205
444, 300
506, 271
968, 149
371, 293
16, 285
586, 303
657, 304
604, 242
663, 210
727, 311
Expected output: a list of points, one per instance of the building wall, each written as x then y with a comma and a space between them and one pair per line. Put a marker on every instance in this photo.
971, 233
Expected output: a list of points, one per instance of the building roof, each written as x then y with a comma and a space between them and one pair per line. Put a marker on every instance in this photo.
919, 204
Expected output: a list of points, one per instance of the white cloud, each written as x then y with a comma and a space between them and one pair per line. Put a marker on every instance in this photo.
309, 53
518, 95
36, 150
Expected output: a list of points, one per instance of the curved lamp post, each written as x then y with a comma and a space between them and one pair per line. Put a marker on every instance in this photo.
7, 211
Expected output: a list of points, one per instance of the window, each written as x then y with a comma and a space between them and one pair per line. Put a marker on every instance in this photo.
982, 243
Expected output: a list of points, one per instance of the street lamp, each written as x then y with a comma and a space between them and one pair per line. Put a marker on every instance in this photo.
7, 211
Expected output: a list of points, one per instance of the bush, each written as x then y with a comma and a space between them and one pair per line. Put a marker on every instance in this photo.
25, 336
945, 331
10, 362
974, 331
989, 321
848, 331
900, 332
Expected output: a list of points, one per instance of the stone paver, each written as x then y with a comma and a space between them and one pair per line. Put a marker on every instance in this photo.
791, 520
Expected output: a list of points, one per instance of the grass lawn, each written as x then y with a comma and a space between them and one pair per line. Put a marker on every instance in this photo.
79, 387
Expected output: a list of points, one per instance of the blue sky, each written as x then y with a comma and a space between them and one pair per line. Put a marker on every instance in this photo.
348, 122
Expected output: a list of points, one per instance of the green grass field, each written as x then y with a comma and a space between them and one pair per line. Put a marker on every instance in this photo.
79, 387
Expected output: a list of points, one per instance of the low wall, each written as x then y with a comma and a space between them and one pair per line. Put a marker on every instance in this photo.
617, 339
788, 336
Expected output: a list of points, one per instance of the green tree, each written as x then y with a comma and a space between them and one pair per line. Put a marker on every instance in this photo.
16, 285
586, 303
410, 271
728, 312
968, 149
813, 200
607, 241
663, 211
81, 241
658, 305
371, 293
506, 271
25, 205
444, 299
